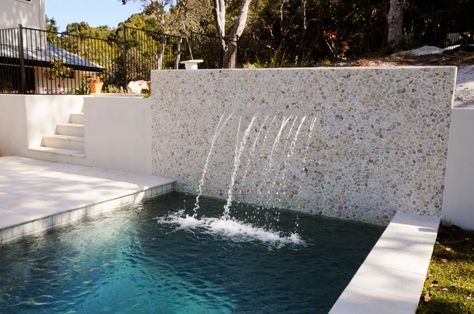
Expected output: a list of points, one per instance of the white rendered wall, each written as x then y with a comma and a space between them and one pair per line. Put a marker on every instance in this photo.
458, 205
118, 133
117, 129
13, 130
27, 13
44, 112
25, 119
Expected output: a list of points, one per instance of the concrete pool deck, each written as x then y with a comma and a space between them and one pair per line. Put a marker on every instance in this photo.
36, 195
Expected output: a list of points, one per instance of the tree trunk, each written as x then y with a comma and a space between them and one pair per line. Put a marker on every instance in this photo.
395, 22
229, 46
178, 54
230, 56
161, 53
161, 17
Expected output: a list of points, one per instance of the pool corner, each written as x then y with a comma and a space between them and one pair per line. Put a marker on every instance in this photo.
391, 278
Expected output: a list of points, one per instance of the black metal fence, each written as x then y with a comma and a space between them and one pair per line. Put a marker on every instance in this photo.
34, 61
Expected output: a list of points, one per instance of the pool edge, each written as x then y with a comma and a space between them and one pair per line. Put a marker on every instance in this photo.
69, 216
390, 279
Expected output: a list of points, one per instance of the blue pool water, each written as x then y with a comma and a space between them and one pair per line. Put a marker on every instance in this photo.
156, 259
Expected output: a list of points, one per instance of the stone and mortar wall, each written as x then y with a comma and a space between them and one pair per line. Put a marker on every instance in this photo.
355, 143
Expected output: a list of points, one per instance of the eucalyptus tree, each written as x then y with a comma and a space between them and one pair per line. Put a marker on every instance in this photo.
229, 38
395, 22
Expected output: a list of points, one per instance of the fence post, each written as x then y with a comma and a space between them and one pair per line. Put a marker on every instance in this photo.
124, 56
21, 57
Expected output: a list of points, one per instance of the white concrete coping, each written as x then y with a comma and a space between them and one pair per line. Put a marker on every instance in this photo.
36, 196
391, 278
192, 64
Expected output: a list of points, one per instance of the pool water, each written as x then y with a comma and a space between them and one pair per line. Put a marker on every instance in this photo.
157, 258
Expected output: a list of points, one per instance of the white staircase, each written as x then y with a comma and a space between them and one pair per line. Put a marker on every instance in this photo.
68, 140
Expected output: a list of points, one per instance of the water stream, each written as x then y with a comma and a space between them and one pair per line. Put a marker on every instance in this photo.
289, 156
208, 158
239, 149
273, 171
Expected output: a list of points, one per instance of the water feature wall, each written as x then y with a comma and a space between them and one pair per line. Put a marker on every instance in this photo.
355, 143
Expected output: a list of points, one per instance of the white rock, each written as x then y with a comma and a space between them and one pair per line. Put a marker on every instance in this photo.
422, 51
136, 87
464, 95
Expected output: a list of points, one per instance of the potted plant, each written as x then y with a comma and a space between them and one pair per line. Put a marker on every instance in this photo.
95, 84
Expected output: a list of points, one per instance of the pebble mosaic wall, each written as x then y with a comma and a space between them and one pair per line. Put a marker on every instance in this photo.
353, 143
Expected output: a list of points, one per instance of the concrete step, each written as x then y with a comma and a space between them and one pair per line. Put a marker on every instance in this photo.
76, 118
59, 151
63, 142
72, 129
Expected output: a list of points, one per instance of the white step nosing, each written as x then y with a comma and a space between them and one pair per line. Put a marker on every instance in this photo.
63, 142
62, 137
59, 151
64, 145
72, 129
71, 125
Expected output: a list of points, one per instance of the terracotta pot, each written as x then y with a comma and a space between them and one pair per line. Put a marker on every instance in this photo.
96, 88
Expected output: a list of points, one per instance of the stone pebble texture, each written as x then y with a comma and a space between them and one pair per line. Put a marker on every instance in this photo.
351, 143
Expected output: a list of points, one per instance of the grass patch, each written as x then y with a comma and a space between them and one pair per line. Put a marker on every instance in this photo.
449, 285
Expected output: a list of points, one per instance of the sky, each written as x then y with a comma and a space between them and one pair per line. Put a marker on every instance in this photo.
94, 12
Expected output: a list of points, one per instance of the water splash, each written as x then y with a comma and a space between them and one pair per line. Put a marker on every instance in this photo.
208, 158
239, 149
234, 230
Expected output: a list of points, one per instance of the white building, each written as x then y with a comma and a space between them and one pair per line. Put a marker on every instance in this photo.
37, 52
29, 13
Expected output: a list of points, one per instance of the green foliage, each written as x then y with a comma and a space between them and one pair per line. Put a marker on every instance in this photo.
51, 28
279, 33
58, 70
298, 29
83, 89
51, 25
114, 89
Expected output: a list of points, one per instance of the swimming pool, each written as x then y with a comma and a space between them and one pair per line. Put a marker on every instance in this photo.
158, 258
